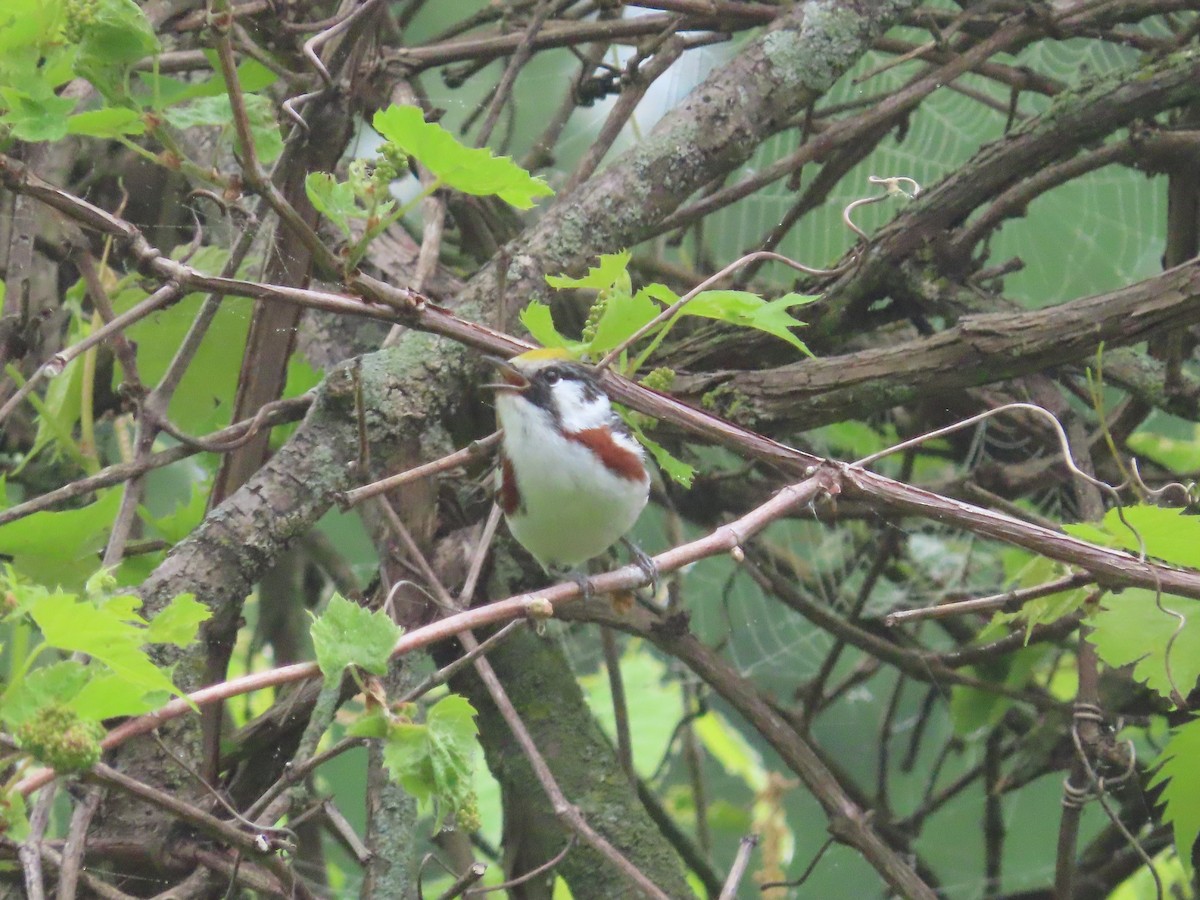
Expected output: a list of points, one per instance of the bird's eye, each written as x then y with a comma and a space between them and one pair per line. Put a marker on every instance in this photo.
553, 377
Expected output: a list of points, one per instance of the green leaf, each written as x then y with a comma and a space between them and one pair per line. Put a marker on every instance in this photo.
118, 33
1027, 570
611, 272
108, 695
1171, 453
623, 315
451, 723
539, 323
108, 632
374, 723
436, 760
161, 91
216, 111
351, 635
59, 683
107, 122
14, 821
178, 622
472, 171
651, 696
972, 709
751, 311
732, 751
31, 24
35, 117
1130, 628
1182, 792
60, 547
333, 199
1168, 534
407, 758
115, 35
204, 399
677, 469
183, 519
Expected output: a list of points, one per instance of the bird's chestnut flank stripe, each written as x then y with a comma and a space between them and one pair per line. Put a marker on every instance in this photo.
510, 495
616, 458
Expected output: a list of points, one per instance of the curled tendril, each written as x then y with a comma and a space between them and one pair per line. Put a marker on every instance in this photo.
893, 188
1097, 786
1188, 493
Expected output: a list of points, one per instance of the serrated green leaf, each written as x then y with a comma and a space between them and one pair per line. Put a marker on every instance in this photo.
751, 311
623, 315
1129, 628
539, 322
371, 724
1182, 791
108, 695
435, 760
216, 112
105, 633
108, 122
31, 24
59, 547
470, 170
972, 709
1031, 571
118, 33
183, 519
407, 757
178, 622
40, 116
14, 821
204, 398
59, 683
333, 199
676, 468
1168, 534
611, 272
451, 723
347, 634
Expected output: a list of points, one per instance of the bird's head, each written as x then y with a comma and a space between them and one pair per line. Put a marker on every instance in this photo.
550, 380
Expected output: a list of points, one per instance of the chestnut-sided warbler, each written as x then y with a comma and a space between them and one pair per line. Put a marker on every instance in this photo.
572, 479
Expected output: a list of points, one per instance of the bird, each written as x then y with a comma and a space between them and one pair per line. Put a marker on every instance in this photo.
572, 479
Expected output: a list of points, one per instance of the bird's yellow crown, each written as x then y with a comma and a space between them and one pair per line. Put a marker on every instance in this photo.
540, 356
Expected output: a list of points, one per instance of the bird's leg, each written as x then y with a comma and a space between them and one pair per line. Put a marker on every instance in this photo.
581, 579
643, 562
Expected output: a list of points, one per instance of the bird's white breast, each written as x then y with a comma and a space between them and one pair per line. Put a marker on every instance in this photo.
572, 506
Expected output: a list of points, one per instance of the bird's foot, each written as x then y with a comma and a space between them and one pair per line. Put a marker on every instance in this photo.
643, 562
585, 584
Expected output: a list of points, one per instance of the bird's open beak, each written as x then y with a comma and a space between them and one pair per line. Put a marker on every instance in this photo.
513, 380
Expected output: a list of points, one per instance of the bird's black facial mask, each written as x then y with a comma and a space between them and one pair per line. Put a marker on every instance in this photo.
541, 384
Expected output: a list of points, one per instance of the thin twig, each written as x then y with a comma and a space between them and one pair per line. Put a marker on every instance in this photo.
463, 882
738, 870
72, 853
29, 851
515, 63
616, 688
473, 451
1008, 600
545, 867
